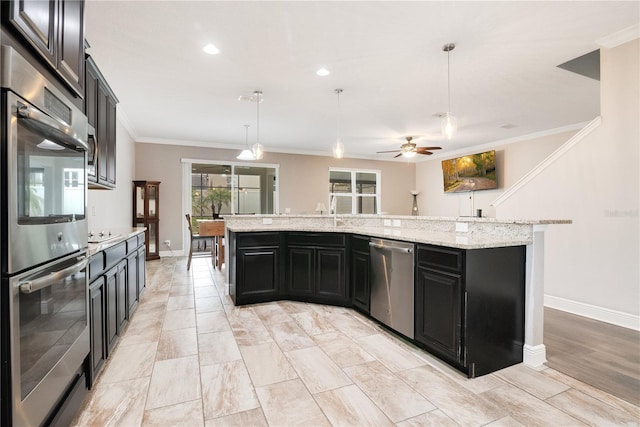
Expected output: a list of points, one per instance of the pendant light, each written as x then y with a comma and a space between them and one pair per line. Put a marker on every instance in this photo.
338, 147
449, 123
258, 149
246, 154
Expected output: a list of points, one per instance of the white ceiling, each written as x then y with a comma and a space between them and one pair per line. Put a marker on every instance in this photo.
386, 56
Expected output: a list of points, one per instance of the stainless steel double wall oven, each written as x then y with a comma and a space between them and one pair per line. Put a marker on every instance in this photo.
45, 334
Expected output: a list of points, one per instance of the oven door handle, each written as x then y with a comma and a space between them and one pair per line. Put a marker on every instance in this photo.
30, 286
53, 127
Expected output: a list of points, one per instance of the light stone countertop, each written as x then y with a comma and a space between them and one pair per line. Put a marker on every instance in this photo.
121, 236
480, 232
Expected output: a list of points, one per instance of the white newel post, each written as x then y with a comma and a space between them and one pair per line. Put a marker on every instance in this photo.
534, 352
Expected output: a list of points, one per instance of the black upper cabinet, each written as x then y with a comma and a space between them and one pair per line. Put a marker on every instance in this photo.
55, 29
71, 43
100, 108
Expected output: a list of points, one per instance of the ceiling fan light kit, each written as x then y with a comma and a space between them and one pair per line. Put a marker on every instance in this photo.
409, 149
449, 123
338, 147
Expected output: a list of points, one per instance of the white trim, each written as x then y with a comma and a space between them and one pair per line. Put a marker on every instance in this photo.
620, 37
122, 117
534, 356
594, 124
503, 142
615, 317
171, 254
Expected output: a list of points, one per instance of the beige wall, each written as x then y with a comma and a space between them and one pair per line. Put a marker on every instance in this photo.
591, 267
110, 210
512, 162
303, 180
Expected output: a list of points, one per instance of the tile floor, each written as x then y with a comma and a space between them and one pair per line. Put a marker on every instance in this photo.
190, 358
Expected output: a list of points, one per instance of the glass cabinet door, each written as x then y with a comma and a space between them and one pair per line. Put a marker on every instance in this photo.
153, 194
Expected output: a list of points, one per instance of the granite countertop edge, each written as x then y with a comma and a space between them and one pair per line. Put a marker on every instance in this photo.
454, 240
122, 235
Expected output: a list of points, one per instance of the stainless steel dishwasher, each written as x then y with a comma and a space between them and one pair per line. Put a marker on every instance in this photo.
392, 284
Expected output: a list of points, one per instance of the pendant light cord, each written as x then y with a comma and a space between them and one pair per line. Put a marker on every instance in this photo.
258, 117
246, 135
448, 82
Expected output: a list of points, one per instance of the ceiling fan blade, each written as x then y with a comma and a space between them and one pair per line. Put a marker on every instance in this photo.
397, 155
429, 148
391, 151
428, 153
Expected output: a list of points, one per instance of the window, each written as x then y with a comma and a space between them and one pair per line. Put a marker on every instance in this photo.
355, 191
219, 189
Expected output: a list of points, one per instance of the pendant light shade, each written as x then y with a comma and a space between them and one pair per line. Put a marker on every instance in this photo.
449, 123
258, 149
246, 154
338, 147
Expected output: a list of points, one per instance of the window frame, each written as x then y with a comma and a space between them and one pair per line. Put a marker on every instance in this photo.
354, 195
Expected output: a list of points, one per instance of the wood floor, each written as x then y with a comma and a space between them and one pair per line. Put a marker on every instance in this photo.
600, 354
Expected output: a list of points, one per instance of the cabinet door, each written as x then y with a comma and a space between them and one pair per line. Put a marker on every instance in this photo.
330, 275
71, 43
122, 307
37, 20
438, 312
258, 274
300, 273
132, 283
142, 271
97, 327
101, 130
360, 280
111, 141
111, 318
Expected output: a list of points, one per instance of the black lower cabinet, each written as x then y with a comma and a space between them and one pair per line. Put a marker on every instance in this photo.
122, 310
439, 318
316, 268
360, 265
132, 283
111, 308
300, 271
469, 306
117, 278
331, 283
255, 275
97, 330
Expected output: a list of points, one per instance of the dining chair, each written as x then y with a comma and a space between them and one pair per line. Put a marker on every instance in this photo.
193, 238
215, 229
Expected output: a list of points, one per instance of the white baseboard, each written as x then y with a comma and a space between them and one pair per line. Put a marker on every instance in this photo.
614, 317
534, 356
171, 253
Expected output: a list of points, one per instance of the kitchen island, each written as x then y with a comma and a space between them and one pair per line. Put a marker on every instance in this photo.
322, 258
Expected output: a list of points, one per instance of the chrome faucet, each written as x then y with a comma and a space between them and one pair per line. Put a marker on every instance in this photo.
334, 211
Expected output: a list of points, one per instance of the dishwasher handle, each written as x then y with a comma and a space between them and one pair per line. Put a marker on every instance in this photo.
392, 248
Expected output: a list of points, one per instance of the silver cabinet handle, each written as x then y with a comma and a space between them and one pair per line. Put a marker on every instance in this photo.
391, 248
30, 286
50, 126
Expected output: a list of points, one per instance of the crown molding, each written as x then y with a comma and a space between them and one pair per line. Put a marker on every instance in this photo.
620, 37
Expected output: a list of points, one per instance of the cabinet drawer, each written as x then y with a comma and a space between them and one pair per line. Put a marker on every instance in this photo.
140, 239
96, 265
248, 240
360, 243
132, 244
115, 254
440, 258
316, 239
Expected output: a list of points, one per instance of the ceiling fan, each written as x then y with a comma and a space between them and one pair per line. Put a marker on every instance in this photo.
409, 149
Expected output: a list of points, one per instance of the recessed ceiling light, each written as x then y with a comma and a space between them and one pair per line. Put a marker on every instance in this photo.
211, 49
323, 72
